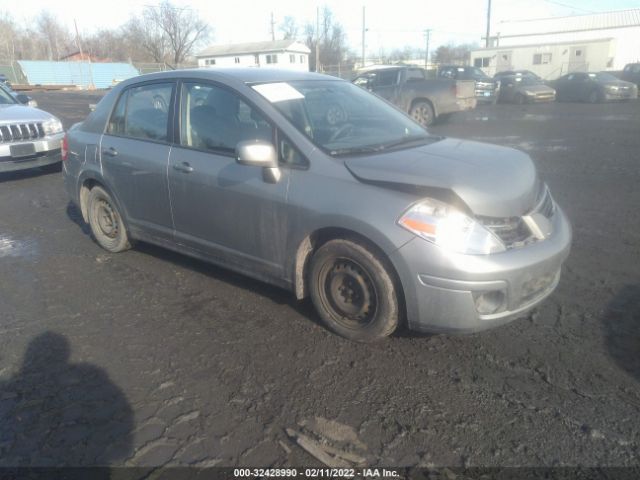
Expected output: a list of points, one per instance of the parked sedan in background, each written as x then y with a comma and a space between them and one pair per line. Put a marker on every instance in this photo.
20, 97
29, 137
525, 89
593, 87
487, 89
367, 213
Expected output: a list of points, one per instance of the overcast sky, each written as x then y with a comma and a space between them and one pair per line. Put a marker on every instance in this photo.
390, 24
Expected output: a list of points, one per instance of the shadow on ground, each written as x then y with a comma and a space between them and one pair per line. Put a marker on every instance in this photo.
55, 413
621, 324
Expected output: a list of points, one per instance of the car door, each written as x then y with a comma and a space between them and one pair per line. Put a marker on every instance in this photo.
221, 208
134, 152
386, 84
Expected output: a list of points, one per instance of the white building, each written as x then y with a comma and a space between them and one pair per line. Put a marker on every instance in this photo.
287, 54
552, 47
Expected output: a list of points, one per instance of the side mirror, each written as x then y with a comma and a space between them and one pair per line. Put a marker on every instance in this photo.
22, 98
256, 153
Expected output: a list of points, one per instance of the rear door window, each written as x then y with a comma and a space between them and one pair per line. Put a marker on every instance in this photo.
143, 112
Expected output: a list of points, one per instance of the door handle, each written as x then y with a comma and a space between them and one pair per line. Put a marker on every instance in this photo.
183, 167
112, 152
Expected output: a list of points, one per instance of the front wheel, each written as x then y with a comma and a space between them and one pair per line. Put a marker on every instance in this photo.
106, 222
594, 97
422, 112
353, 291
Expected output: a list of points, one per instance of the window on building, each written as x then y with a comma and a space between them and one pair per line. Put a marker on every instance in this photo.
292, 58
481, 62
302, 58
237, 59
541, 58
272, 58
578, 53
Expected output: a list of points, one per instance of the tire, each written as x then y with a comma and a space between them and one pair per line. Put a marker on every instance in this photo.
422, 112
353, 291
105, 221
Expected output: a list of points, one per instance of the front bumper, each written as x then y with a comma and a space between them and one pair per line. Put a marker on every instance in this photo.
441, 288
46, 152
621, 95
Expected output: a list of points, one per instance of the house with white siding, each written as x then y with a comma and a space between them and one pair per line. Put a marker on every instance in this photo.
288, 54
554, 46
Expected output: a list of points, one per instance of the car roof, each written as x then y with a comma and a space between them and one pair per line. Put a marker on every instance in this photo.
234, 75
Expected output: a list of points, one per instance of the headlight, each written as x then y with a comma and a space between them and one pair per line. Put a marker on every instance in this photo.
612, 88
32, 103
449, 228
52, 126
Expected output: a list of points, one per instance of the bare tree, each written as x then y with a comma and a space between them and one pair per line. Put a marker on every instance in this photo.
289, 28
54, 37
333, 40
8, 36
180, 27
148, 36
455, 54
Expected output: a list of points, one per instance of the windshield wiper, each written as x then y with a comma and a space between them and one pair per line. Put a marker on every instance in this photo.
383, 146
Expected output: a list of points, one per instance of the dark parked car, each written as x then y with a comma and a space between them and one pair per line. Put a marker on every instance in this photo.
424, 99
367, 213
525, 89
487, 89
631, 73
593, 88
28, 137
20, 97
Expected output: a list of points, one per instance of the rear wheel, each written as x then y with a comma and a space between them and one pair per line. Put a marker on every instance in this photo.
353, 291
422, 112
106, 222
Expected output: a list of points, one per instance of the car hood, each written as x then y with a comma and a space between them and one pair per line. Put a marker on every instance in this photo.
22, 113
491, 180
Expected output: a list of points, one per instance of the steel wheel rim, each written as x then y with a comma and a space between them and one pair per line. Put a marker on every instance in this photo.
107, 219
422, 114
348, 293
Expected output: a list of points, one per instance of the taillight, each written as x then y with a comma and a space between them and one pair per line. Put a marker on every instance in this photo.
64, 149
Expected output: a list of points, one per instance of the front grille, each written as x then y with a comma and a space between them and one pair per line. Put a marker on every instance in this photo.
513, 231
16, 132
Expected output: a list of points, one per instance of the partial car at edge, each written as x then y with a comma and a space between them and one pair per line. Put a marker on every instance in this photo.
29, 137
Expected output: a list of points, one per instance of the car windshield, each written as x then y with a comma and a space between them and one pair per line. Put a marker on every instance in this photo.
342, 118
6, 97
472, 73
527, 80
604, 77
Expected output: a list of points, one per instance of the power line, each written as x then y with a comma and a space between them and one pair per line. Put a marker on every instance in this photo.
568, 6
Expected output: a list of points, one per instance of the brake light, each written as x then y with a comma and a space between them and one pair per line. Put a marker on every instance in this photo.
64, 148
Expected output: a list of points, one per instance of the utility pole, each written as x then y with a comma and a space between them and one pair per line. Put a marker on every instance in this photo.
363, 32
317, 39
427, 34
273, 31
488, 24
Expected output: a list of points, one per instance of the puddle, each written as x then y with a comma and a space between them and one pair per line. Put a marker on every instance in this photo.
11, 247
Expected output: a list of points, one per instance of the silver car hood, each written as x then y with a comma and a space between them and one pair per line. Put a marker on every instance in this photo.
21, 113
491, 180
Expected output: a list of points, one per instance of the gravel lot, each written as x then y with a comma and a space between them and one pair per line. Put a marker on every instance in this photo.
151, 358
